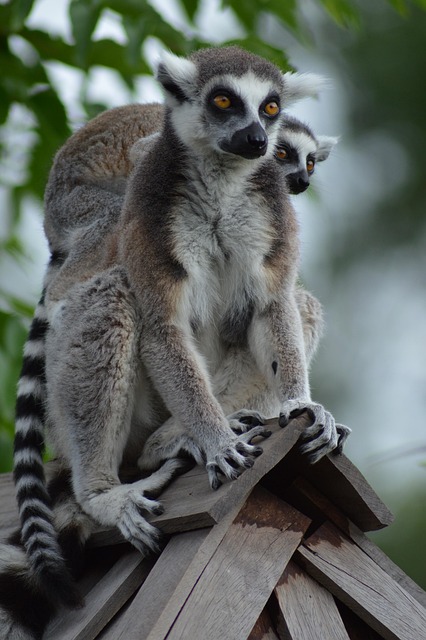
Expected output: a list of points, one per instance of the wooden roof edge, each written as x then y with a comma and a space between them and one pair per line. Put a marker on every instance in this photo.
190, 503
344, 484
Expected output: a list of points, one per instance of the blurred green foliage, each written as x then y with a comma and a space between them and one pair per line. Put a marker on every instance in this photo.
357, 35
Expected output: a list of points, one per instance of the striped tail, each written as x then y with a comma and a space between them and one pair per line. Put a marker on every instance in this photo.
38, 534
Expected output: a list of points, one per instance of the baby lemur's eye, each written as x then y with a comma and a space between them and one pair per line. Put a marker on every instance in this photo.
271, 108
310, 165
222, 101
281, 153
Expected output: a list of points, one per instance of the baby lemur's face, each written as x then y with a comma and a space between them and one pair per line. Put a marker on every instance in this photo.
297, 151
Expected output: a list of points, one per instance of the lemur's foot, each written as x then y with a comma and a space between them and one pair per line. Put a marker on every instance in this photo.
236, 455
126, 506
322, 436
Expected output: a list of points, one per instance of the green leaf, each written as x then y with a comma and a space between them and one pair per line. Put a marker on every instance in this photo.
52, 131
150, 22
247, 11
285, 11
130, 8
13, 15
5, 103
17, 79
343, 12
84, 15
262, 48
20, 11
6, 446
191, 7
48, 46
108, 53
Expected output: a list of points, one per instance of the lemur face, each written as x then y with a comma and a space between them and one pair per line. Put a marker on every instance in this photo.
228, 101
297, 151
242, 114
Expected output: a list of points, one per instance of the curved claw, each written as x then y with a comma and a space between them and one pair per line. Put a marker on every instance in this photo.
236, 457
322, 436
343, 434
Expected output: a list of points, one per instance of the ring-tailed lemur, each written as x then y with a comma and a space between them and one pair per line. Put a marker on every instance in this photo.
83, 320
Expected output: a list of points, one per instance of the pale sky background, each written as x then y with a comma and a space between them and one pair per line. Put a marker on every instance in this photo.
371, 338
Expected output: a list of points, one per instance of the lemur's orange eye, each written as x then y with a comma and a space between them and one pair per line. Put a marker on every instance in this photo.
281, 154
223, 102
272, 108
310, 165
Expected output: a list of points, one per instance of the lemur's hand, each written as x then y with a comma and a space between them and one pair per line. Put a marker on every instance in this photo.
322, 436
244, 420
233, 453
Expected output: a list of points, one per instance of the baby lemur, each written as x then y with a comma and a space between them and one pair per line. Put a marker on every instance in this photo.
200, 265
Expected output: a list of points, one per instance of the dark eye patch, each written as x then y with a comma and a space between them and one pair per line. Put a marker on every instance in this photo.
236, 107
292, 155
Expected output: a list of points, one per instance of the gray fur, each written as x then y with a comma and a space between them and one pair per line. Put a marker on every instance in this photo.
207, 238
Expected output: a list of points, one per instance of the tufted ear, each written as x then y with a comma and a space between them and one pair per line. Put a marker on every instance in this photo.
177, 76
325, 145
303, 85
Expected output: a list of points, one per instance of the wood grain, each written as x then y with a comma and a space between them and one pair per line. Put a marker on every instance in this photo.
307, 610
102, 602
233, 589
176, 572
9, 519
348, 573
338, 479
166, 578
314, 504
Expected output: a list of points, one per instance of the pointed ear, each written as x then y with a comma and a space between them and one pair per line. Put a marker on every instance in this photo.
325, 145
303, 85
177, 76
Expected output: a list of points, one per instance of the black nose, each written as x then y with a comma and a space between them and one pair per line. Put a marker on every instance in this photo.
298, 182
302, 184
250, 142
257, 139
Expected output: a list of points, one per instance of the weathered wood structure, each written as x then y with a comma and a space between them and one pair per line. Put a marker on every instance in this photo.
280, 553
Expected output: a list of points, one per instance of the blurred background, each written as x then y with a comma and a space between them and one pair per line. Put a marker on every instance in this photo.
363, 222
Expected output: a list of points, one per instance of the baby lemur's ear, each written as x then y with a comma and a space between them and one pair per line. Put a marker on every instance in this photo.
325, 145
303, 85
177, 76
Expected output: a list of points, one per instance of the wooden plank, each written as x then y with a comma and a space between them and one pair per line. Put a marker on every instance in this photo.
307, 610
165, 579
102, 602
310, 501
175, 575
263, 628
238, 580
110, 630
357, 628
343, 568
340, 481
9, 518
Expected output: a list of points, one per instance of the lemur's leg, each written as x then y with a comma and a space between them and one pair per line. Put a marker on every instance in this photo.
277, 342
237, 383
91, 368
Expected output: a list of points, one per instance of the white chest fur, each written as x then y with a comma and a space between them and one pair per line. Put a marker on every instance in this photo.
221, 236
